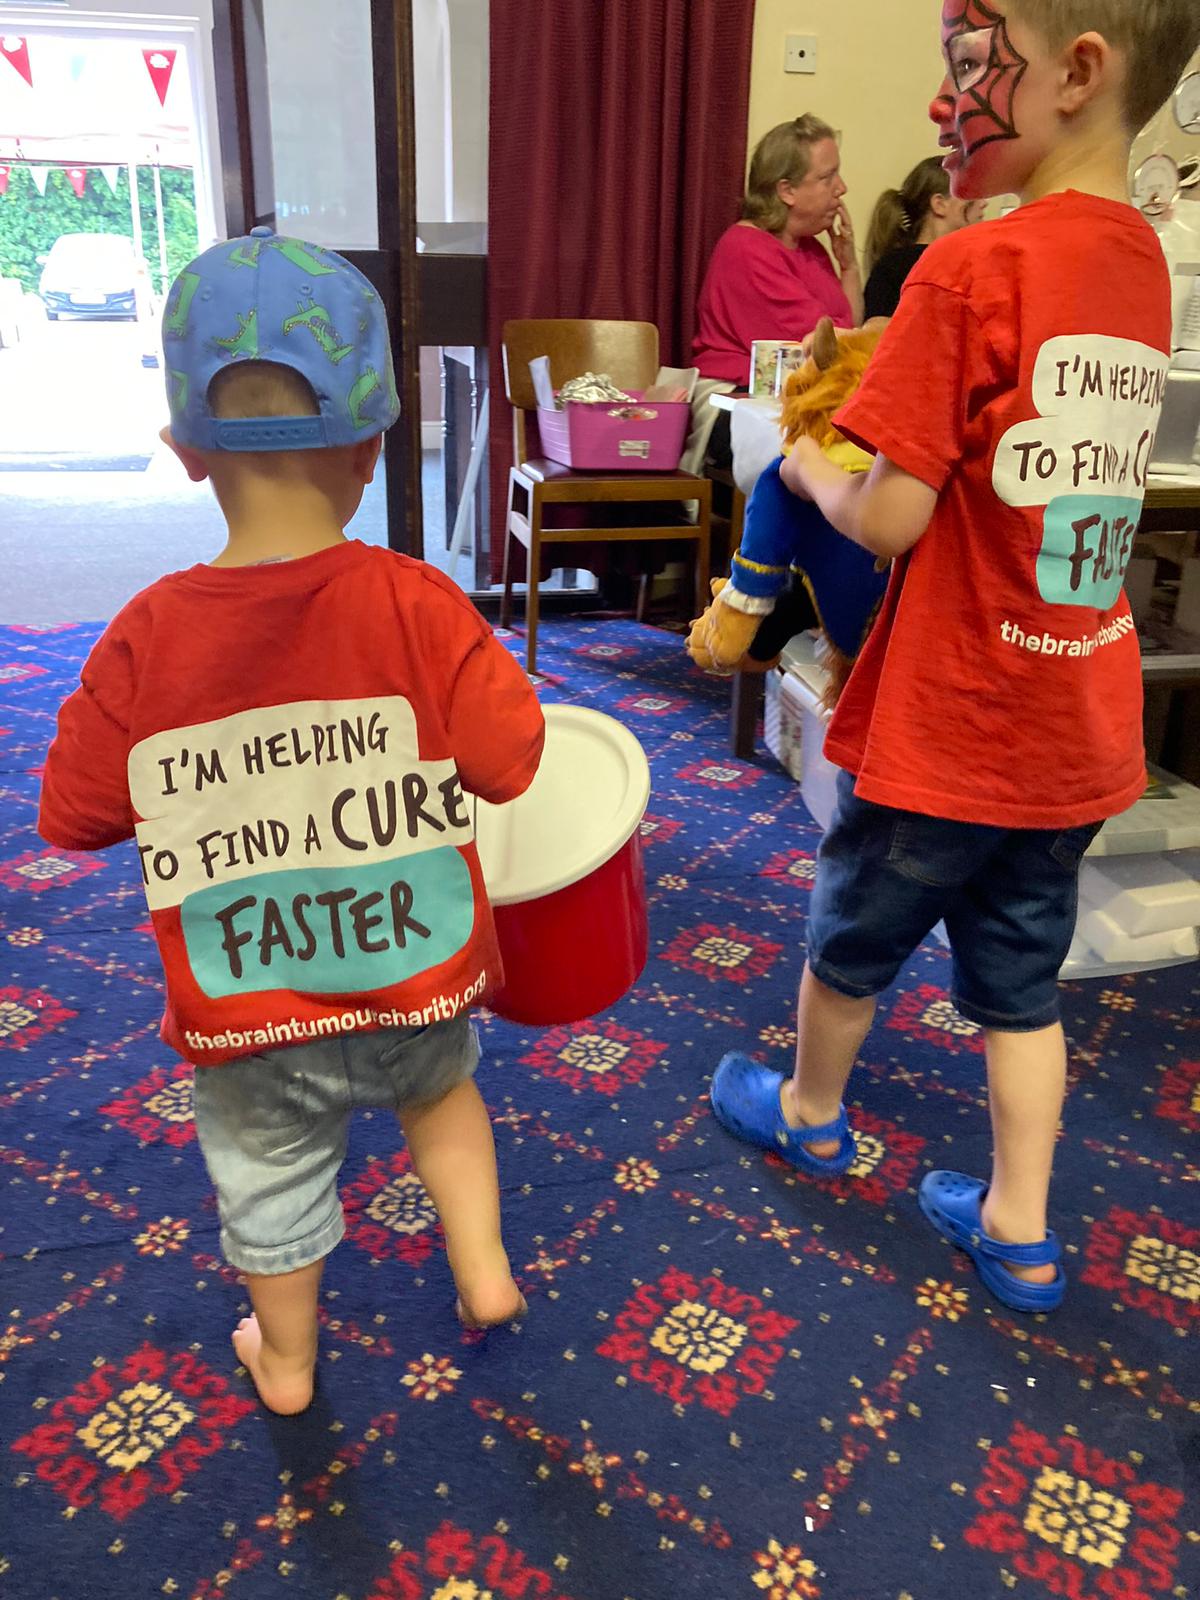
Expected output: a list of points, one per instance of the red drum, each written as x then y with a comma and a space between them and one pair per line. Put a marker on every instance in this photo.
563, 868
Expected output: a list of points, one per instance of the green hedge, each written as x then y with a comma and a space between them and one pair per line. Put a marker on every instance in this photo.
30, 222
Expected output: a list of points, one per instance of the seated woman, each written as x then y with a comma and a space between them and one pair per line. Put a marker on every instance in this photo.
904, 223
769, 277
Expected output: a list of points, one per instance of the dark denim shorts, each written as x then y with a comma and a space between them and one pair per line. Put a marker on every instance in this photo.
1008, 896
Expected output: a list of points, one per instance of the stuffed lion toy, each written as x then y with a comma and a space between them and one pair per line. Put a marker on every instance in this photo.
789, 553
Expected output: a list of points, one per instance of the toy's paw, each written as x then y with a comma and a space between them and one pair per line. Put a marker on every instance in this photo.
720, 639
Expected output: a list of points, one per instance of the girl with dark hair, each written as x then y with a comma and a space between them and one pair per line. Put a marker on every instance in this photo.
904, 222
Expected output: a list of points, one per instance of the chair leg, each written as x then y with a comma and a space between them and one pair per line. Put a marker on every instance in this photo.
748, 690
534, 577
506, 597
643, 597
703, 548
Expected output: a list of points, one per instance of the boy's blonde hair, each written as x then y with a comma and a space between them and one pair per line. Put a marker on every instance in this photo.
1157, 38
261, 389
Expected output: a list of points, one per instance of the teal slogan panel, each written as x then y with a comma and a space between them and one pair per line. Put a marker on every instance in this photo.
1086, 544
330, 930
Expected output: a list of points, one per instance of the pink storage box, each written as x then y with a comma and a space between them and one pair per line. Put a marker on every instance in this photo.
594, 437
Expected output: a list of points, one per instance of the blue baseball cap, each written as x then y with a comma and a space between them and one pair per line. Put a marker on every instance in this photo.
270, 298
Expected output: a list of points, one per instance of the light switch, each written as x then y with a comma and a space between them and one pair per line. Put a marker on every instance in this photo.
801, 53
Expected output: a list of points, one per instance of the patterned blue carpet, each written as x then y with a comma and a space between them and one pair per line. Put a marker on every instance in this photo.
732, 1382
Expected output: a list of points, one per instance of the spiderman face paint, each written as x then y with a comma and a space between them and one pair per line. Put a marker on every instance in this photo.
975, 108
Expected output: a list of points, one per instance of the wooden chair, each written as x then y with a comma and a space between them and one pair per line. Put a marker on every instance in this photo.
628, 352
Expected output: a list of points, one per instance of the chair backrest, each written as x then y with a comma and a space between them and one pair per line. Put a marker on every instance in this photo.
627, 351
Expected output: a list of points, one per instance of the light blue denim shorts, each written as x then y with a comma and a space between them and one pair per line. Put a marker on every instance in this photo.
273, 1128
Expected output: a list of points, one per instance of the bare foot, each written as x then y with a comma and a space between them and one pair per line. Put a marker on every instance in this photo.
475, 1317
823, 1149
284, 1392
1046, 1274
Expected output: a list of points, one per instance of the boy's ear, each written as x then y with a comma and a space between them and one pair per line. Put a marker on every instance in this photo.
366, 458
1088, 65
193, 461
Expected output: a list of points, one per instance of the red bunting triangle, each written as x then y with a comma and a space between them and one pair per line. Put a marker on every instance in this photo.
78, 180
160, 64
16, 49
5, 174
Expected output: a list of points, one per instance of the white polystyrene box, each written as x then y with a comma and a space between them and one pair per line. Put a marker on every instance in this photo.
1108, 939
1167, 817
1145, 894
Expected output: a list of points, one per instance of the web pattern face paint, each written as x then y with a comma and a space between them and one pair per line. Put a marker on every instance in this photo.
985, 70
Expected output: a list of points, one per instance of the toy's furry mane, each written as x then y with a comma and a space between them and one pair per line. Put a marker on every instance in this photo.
815, 392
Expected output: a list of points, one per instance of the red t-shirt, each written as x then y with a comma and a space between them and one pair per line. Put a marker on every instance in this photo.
756, 288
291, 744
1021, 378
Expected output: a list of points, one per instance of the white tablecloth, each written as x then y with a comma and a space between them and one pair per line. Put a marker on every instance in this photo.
754, 437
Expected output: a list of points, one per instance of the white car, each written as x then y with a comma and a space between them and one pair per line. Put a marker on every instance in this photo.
91, 275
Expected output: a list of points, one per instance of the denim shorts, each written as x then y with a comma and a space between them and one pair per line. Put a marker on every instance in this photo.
1008, 896
272, 1128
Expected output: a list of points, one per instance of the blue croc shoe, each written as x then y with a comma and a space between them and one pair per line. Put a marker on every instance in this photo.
953, 1203
745, 1101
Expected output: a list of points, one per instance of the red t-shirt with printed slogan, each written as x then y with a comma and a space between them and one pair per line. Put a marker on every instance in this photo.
1022, 378
294, 747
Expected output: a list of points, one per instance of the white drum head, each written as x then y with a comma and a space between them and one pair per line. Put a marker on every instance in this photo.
588, 796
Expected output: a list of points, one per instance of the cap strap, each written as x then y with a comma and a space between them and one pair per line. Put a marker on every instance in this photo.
269, 433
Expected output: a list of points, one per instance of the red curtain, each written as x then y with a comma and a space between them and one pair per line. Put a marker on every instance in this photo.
616, 159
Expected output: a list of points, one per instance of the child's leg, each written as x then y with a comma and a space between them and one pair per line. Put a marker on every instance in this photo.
1027, 1079
278, 1344
830, 1029
454, 1155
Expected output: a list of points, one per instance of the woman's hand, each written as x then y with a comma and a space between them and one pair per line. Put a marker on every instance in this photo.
841, 238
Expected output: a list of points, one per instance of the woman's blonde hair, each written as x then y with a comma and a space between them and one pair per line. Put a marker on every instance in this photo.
900, 213
782, 156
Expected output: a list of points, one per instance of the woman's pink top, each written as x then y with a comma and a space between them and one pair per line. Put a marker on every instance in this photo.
756, 288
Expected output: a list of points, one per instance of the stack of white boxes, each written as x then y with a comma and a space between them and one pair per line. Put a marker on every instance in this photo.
1139, 889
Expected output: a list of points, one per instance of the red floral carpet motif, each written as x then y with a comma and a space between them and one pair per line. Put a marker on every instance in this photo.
28, 1014
48, 869
134, 1430
926, 1013
1075, 1521
719, 775
652, 705
887, 1161
698, 1339
797, 867
158, 1108
388, 1213
1179, 1100
658, 830
454, 1564
1150, 1262
722, 954
595, 1055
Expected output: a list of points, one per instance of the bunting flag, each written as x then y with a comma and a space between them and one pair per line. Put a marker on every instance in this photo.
160, 64
78, 180
39, 176
111, 175
5, 174
14, 48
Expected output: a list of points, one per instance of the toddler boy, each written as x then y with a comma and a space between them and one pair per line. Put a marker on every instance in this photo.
290, 733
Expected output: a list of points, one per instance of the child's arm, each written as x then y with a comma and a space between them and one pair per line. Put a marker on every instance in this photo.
85, 786
885, 510
496, 724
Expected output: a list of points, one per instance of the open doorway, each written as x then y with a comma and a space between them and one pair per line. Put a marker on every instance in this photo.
107, 188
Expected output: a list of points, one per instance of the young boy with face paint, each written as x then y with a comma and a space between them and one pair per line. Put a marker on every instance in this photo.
993, 720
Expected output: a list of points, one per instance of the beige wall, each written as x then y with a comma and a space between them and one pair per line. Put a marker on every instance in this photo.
879, 65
